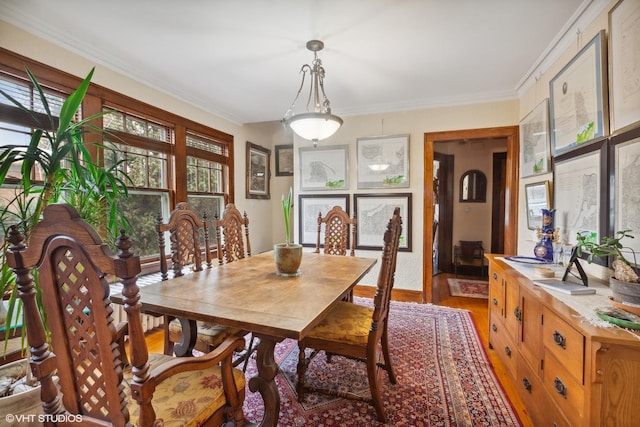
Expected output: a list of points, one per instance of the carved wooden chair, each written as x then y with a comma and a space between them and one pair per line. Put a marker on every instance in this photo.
229, 232
337, 223
231, 247
186, 230
357, 331
94, 377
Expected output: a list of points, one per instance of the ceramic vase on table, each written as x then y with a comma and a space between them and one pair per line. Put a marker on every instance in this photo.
287, 257
547, 234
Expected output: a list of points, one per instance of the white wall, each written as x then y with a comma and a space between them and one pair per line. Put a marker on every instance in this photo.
415, 123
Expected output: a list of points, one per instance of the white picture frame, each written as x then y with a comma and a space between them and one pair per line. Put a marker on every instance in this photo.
324, 168
535, 156
383, 162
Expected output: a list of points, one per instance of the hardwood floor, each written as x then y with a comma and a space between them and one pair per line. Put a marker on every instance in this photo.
479, 311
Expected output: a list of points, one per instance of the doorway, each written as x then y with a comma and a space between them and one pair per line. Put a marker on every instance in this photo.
511, 165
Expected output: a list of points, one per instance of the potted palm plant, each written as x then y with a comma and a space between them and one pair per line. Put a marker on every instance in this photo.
57, 151
624, 283
288, 255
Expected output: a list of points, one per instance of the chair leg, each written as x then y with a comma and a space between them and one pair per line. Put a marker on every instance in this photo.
303, 363
250, 349
372, 373
168, 344
387, 356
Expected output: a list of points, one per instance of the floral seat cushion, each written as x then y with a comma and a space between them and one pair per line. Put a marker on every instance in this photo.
346, 322
185, 399
209, 334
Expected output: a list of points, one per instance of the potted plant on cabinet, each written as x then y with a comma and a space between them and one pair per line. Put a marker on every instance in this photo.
58, 152
288, 255
624, 283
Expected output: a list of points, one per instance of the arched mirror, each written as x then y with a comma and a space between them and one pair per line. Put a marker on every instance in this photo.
473, 187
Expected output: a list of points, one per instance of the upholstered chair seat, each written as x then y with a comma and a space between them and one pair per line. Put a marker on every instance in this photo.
346, 323
188, 398
209, 335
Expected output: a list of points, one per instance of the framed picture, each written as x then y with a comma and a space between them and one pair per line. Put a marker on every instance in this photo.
537, 198
373, 212
625, 166
579, 113
534, 141
383, 161
284, 160
580, 192
324, 168
624, 57
309, 206
258, 172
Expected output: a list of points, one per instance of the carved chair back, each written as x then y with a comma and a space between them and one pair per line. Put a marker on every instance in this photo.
336, 232
73, 265
186, 230
229, 232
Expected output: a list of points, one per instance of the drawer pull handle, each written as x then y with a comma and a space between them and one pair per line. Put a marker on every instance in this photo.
495, 301
560, 387
507, 351
526, 384
494, 328
518, 314
559, 339
495, 276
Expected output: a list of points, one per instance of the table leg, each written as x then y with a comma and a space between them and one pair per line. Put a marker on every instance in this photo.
264, 382
188, 338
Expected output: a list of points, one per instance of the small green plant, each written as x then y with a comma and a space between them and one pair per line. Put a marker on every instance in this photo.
287, 202
610, 246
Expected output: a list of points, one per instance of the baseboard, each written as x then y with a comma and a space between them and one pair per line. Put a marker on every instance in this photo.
402, 295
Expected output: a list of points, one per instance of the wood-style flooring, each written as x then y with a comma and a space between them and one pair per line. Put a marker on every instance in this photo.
479, 311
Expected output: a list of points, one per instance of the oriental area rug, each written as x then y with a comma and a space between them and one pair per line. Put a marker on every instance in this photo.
444, 378
468, 288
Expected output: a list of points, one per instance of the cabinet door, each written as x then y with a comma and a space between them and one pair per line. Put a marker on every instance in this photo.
512, 306
531, 329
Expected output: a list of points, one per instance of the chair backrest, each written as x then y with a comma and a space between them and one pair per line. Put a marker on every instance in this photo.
73, 264
185, 231
385, 278
229, 232
471, 249
336, 232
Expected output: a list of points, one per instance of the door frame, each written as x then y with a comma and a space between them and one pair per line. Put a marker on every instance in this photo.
510, 133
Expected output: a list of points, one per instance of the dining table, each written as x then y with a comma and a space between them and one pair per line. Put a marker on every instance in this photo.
250, 295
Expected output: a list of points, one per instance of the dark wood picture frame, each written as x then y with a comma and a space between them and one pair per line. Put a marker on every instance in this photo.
585, 75
624, 166
309, 206
284, 160
373, 212
581, 193
258, 172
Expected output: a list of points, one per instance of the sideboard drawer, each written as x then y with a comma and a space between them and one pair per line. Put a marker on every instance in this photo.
543, 411
564, 390
565, 343
503, 346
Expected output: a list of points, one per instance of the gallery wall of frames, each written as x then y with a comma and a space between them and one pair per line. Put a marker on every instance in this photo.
587, 134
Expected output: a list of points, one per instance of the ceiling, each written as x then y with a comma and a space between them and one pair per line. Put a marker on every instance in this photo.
240, 60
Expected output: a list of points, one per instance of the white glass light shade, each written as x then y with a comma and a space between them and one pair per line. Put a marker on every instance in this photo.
314, 126
379, 167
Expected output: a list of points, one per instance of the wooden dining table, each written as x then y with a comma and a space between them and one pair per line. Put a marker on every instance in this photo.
249, 295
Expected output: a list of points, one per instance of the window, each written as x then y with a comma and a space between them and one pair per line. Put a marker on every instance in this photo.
144, 138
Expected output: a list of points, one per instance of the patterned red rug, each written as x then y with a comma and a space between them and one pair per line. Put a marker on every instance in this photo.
444, 378
468, 288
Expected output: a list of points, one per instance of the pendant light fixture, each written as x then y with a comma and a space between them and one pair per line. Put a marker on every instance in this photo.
318, 123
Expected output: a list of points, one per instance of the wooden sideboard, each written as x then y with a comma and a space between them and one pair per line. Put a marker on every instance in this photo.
568, 370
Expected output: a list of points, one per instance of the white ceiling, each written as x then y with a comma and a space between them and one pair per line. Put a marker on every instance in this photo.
241, 59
